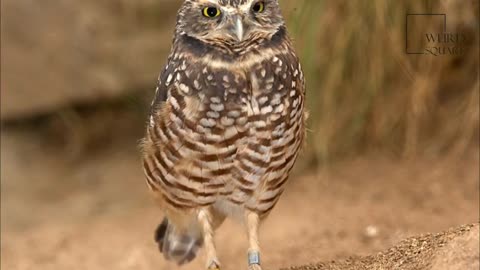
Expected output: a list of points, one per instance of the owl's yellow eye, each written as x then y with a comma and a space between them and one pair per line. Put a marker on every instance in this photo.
259, 7
211, 12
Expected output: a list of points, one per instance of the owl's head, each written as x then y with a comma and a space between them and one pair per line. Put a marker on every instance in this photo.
229, 21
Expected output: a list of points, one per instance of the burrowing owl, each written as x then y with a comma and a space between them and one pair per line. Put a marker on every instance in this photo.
226, 124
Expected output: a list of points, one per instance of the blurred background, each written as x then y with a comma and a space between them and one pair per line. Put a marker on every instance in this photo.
393, 140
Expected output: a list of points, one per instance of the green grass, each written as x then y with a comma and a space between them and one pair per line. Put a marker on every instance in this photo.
365, 94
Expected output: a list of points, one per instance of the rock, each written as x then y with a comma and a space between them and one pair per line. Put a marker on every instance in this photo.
58, 52
455, 249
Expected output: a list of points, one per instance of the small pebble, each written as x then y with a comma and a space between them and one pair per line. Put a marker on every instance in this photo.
371, 231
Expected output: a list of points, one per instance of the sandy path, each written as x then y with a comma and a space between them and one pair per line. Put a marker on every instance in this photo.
94, 213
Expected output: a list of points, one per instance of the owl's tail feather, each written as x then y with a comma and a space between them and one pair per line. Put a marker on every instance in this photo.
178, 246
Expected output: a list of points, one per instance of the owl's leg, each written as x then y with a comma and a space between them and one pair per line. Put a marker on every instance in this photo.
253, 223
206, 219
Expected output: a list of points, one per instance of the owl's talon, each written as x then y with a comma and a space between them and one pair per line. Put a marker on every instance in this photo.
214, 265
254, 267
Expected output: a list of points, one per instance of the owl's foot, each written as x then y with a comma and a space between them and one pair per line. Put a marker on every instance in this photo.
254, 267
214, 265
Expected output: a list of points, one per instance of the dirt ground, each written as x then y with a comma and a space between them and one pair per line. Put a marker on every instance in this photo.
63, 212
454, 249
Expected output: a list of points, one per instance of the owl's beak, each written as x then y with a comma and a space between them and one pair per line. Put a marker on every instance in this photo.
236, 27
239, 28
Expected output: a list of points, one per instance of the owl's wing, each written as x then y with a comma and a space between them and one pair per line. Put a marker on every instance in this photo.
163, 83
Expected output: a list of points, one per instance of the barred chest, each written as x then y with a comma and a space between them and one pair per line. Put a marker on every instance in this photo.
231, 132
219, 96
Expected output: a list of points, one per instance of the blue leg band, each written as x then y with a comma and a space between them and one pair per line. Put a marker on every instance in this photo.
253, 257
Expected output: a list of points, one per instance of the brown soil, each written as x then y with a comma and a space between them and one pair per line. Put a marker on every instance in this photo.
94, 212
455, 249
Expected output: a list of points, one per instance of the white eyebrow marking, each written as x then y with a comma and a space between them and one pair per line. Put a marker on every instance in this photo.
209, 1
229, 9
245, 7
